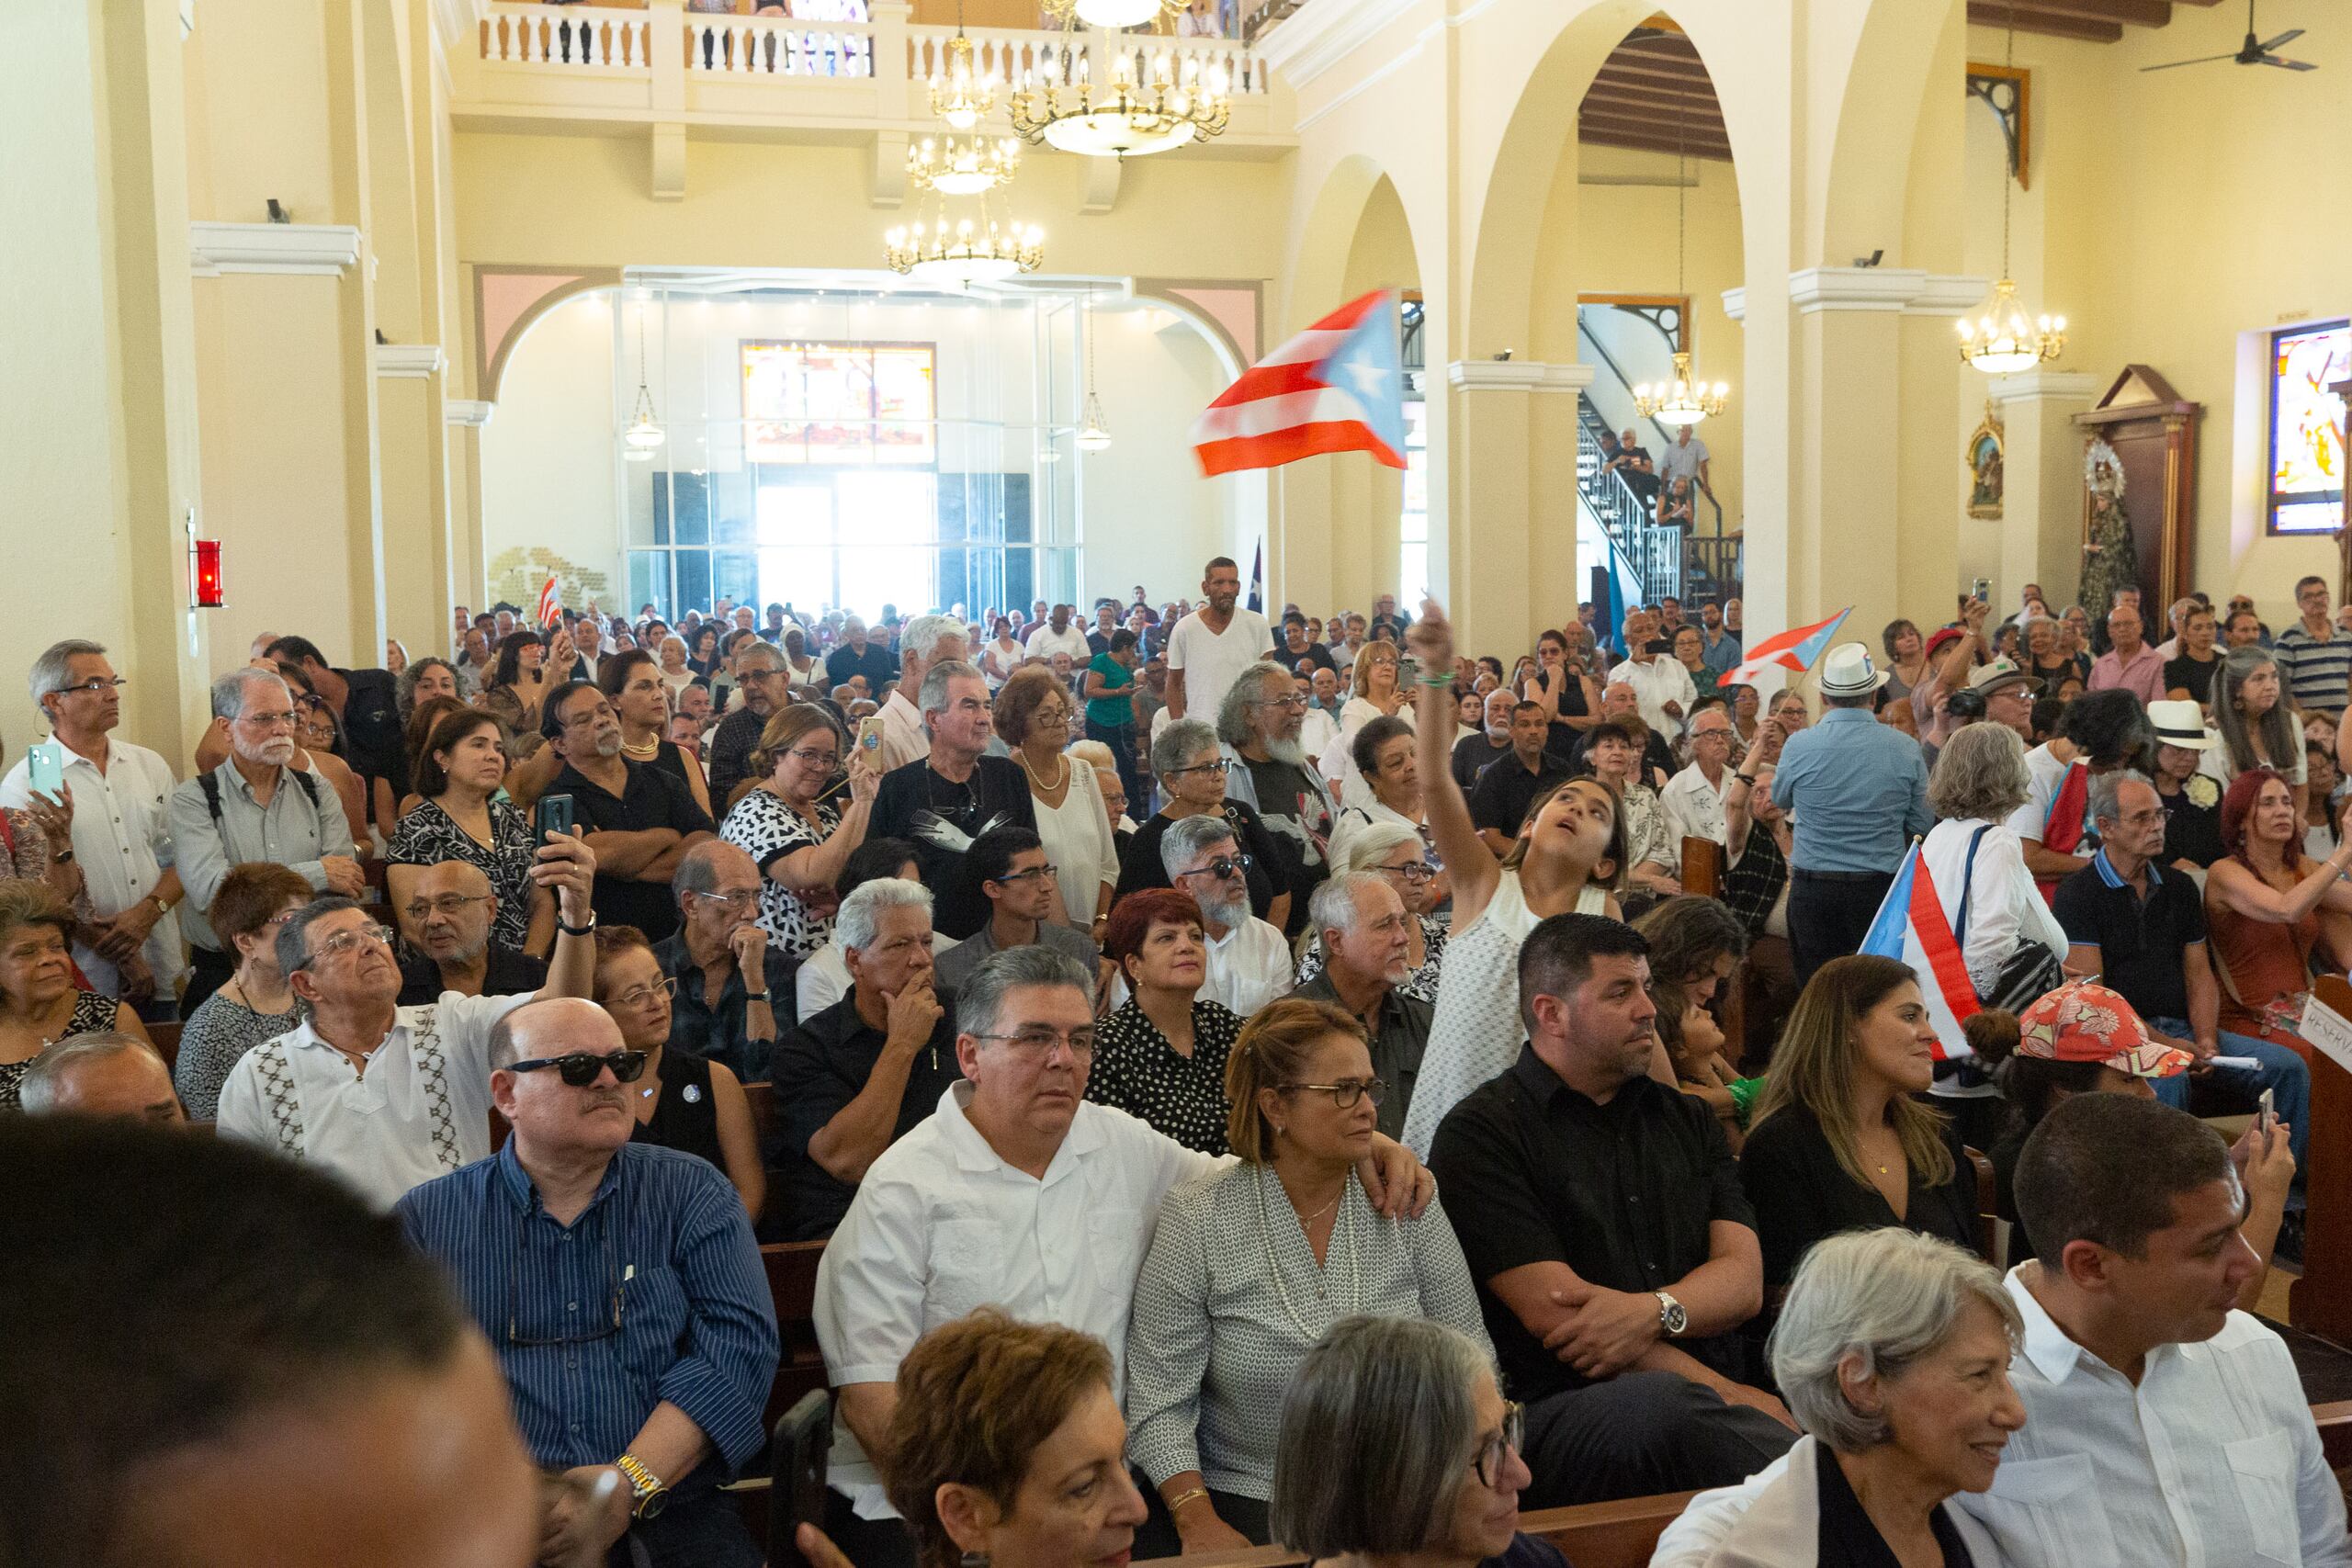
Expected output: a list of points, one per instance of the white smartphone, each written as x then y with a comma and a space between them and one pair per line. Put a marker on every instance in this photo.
2266, 1112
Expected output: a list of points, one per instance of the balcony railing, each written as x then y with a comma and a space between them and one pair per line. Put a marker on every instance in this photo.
615, 54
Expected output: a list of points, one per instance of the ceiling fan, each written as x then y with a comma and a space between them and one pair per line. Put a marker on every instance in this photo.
2253, 52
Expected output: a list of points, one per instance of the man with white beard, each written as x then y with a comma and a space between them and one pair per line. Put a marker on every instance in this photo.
1259, 723
1248, 962
254, 806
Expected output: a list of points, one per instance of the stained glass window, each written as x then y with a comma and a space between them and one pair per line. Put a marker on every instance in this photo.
839, 404
2307, 427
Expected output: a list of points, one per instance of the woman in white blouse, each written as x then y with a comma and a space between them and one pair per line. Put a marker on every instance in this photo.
800, 665
675, 674
1250, 1265
2257, 725
1377, 692
1002, 655
1032, 714
1980, 780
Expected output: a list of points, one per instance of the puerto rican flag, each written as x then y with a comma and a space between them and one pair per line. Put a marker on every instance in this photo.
1910, 926
1337, 386
1790, 650
551, 608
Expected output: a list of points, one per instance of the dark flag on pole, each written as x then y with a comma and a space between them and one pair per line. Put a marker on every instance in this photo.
1257, 579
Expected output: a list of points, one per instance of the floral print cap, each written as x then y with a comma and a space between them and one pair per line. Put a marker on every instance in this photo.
2085, 1023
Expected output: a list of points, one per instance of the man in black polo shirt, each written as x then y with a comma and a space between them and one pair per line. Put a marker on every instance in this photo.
1473, 753
367, 700
858, 1076
1499, 801
942, 802
448, 920
638, 819
1601, 1215
2141, 929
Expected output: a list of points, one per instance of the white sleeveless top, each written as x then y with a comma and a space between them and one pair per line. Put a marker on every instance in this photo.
1477, 1033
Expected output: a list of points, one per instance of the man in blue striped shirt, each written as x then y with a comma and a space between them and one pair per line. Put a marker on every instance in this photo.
621, 1287
2314, 656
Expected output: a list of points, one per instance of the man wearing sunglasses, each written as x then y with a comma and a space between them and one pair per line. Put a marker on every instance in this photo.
386, 1096
1250, 964
449, 913
620, 1284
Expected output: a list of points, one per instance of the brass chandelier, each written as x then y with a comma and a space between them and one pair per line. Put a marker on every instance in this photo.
961, 96
984, 252
2003, 341
1685, 399
1152, 102
963, 165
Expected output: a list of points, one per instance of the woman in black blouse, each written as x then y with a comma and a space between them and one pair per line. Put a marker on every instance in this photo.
1160, 1056
1838, 1142
681, 1101
1191, 769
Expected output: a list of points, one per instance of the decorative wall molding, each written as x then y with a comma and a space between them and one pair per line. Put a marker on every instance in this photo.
1516, 375
319, 250
1951, 295
412, 361
1322, 33
2045, 386
1735, 303
1873, 289
474, 412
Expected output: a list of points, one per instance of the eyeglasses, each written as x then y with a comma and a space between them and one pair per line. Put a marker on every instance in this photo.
1038, 1043
1220, 765
814, 759
447, 904
1034, 874
515, 1291
1411, 871
637, 996
731, 899
286, 720
1292, 701
579, 1068
1345, 1093
1495, 1450
1221, 867
342, 943
93, 685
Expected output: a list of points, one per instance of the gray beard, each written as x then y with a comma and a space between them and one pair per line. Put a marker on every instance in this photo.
465, 955
1287, 751
607, 746
1228, 915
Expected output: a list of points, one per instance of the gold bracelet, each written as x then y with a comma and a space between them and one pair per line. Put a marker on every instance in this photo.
1184, 1497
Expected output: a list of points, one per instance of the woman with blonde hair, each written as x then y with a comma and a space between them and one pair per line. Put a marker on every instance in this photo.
671, 654
1376, 690
1032, 714
1249, 1266
1838, 1141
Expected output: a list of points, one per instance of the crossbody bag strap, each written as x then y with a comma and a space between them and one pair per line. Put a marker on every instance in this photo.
1968, 886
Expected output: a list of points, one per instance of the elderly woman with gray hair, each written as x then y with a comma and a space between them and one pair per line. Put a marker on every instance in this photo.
1893, 1352
1395, 1446
1192, 768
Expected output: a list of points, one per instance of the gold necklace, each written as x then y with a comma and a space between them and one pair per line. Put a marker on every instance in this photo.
650, 749
1060, 778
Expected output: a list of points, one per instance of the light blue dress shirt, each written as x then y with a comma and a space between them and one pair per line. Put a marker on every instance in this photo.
1857, 790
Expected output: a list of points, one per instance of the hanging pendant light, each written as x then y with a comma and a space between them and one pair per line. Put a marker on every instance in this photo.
1095, 436
644, 432
1685, 399
962, 97
2004, 341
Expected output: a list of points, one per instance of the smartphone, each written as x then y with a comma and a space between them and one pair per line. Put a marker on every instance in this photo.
1982, 589
869, 732
1409, 669
45, 769
552, 814
2266, 1112
804, 1435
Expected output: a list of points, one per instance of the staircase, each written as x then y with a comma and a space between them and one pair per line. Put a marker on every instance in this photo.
1654, 554
1701, 565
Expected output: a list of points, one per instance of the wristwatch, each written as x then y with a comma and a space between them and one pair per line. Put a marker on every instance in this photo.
588, 929
1670, 1316
644, 1485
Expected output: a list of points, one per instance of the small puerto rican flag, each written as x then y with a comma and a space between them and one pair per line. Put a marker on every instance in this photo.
1910, 926
551, 608
1794, 651
1337, 386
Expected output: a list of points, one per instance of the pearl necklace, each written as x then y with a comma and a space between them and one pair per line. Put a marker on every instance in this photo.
650, 749
1274, 1263
1061, 775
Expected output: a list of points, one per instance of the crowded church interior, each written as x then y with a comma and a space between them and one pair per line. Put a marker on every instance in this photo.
1054, 782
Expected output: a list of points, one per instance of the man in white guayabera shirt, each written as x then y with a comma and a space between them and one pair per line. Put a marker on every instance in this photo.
2162, 1426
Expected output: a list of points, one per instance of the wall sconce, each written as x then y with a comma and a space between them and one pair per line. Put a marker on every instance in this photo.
205, 589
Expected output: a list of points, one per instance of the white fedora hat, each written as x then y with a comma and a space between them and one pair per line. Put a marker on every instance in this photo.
1847, 671
2181, 723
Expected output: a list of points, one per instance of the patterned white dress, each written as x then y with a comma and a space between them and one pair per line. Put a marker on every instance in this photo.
763, 827
1477, 1032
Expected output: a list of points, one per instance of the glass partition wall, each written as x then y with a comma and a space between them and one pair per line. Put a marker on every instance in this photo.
865, 450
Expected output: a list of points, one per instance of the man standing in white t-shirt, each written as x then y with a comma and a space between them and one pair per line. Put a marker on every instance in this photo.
1210, 648
1057, 636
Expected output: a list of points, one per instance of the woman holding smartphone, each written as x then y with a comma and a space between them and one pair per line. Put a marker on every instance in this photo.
798, 838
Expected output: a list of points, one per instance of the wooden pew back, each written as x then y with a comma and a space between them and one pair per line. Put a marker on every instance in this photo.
166, 1037
1591, 1534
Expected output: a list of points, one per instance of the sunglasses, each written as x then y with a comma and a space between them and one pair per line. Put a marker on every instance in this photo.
579, 1068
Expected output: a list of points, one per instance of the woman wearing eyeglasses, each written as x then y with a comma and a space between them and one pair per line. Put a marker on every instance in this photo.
685, 1103
39, 1002
459, 769
1397, 853
1250, 1267
255, 1004
1376, 691
798, 838
1383, 753
1192, 768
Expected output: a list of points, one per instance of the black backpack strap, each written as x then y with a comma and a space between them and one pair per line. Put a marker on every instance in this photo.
211, 788
309, 786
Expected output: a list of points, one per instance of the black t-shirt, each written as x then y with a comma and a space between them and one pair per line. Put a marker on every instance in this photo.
2141, 942
1848, 1539
1140, 865
1505, 791
1624, 1193
1291, 805
1315, 653
876, 664
2192, 832
818, 1067
2195, 675
1471, 755
1801, 1194
942, 817
373, 739
508, 974
651, 798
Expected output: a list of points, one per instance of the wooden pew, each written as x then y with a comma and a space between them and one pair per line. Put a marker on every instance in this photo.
1591, 1534
791, 1269
166, 1037
2334, 1421
2319, 1302
1702, 873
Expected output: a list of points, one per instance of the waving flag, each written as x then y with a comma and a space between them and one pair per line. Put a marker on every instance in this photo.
1910, 926
551, 608
1790, 650
1337, 386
